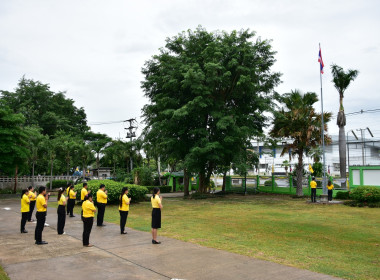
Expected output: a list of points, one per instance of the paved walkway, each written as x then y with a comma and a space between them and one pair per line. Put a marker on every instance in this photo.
116, 256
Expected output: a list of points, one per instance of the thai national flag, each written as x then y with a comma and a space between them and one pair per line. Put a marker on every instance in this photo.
320, 60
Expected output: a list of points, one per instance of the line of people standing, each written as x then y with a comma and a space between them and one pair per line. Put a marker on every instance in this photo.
66, 205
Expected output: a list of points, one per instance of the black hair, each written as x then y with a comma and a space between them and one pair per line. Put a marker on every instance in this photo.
23, 192
123, 190
313, 178
60, 192
101, 186
41, 189
71, 186
155, 191
30, 187
84, 184
329, 182
86, 197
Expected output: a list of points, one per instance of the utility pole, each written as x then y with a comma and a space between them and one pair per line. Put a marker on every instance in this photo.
131, 134
362, 131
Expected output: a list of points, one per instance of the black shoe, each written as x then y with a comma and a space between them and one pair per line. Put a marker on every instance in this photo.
41, 243
72, 216
103, 225
124, 232
156, 242
24, 231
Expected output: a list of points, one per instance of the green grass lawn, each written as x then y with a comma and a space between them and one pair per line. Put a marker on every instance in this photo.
331, 239
3, 274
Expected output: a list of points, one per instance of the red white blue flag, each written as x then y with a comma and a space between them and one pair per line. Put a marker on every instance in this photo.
320, 60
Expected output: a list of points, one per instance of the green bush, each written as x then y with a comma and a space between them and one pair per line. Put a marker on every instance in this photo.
365, 194
268, 183
7, 191
137, 193
56, 184
342, 195
144, 176
163, 189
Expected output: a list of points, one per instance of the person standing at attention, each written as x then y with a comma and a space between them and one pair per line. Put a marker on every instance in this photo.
124, 202
68, 196
32, 197
83, 194
330, 187
88, 219
156, 201
313, 186
61, 211
101, 198
41, 205
72, 197
24, 209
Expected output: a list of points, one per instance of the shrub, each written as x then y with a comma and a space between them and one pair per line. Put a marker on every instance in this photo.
56, 184
163, 189
342, 195
365, 194
144, 176
137, 193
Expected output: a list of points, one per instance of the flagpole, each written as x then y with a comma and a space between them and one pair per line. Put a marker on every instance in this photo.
323, 134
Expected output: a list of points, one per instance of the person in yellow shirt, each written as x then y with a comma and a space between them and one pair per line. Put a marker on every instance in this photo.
101, 199
61, 199
24, 209
88, 219
32, 197
41, 205
156, 201
83, 194
330, 187
68, 196
71, 201
313, 186
124, 202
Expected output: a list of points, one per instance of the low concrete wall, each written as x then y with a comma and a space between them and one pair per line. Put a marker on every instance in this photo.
26, 181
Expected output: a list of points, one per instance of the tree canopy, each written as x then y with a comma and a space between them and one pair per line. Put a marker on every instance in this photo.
208, 92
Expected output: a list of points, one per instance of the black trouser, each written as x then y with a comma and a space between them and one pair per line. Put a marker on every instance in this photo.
101, 209
41, 218
81, 213
24, 218
313, 195
70, 205
123, 219
31, 209
329, 193
61, 219
87, 226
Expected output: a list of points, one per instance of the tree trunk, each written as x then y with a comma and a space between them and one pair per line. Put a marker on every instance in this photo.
299, 172
202, 179
186, 182
33, 174
15, 186
224, 181
97, 161
51, 173
341, 122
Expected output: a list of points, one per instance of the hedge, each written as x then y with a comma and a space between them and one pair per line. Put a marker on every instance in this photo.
366, 194
163, 189
137, 193
56, 184
342, 195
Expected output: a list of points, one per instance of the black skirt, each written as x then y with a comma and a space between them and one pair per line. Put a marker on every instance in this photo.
156, 218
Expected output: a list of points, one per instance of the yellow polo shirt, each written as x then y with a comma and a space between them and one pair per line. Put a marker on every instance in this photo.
40, 203
32, 196
313, 184
72, 194
67, 191
155, 201
330, 187
124, 203
24, 203
101, 196
62, 200
83, 193
88, 209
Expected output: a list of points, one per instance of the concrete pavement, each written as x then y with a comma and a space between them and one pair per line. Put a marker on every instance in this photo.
116, 256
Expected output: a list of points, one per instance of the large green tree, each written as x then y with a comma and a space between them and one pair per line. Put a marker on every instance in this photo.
44, 108
13, 142
342, 80
208, 92
298, 121
97, 142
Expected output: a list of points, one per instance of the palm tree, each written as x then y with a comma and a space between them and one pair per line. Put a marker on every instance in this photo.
342, 80
298, 121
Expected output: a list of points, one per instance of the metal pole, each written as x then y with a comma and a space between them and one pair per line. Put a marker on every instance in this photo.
348, 151
323, 137
361, 131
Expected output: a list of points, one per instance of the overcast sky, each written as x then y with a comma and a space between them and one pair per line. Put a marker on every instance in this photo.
94, 50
